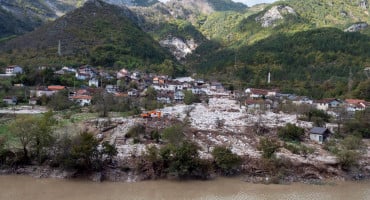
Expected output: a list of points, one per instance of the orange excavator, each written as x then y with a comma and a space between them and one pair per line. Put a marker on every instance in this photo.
151, 114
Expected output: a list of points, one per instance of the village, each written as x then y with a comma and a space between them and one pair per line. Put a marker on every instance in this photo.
217, 116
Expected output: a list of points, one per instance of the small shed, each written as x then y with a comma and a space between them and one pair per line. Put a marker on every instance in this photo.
319, 134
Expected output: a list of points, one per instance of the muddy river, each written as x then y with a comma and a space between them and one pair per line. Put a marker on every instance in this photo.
27, 188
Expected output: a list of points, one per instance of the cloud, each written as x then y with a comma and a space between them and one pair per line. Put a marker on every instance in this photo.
247, 2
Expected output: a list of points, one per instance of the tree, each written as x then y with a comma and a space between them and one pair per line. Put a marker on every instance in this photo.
363, 90
268, 147
226, 160
190, 98
44, 133
84, 152
291, 133
60, 101
184, 160
25, 128
109, 150
103, 103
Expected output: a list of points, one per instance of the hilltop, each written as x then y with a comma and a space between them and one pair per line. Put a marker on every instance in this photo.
97, 33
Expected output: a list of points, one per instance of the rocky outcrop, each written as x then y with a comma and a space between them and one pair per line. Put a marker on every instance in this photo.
270, 18
357, 27
179, 48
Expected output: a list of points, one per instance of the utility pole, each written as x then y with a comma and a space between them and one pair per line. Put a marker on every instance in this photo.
59, 49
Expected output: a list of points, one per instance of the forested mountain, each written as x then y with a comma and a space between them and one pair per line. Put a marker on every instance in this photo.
21, 16
97, 33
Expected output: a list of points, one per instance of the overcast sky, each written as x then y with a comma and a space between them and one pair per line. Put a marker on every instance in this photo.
247, 2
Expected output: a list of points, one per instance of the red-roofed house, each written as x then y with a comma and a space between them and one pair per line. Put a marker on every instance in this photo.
56, 87
355, 104
83, 100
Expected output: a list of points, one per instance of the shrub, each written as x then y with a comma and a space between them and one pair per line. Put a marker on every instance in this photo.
225, 160
268, 147
291, 133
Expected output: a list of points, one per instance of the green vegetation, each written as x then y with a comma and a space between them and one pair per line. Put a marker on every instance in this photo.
190, 98
106, 39
291, 133
268, 147
348, 150
360, 125
225, 160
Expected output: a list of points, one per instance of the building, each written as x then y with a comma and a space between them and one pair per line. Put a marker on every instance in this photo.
353, 105
319, 134
326, 104
82, 100
15, 69
10, 100
93, 82
179, 96
56, 88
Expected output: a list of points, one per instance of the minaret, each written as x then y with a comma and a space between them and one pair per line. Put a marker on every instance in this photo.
269, 78
59, 49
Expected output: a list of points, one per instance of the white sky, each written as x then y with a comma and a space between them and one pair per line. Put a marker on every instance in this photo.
247, 2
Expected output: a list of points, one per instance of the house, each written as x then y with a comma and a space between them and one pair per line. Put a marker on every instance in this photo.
327, 103
217, 87
353, 105
319, 134
93, 82
253, 104
133, 93
111, 88
85, 72
82, 100
56, 88
32, 101
184, 79
42, 91
302, 100
123, 73
164, 99
260, 93
15, 69
179, 96
10, 100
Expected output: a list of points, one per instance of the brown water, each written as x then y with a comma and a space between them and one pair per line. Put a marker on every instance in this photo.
27, 188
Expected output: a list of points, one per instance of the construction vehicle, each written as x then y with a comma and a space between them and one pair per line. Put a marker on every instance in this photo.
151, 114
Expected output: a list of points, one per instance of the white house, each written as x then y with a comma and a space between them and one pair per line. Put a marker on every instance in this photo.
94, 82
15, 69
10, 100
179, 96
319, 134
325, 104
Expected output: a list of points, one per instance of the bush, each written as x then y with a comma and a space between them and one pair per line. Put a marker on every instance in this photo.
291, 133
225, 160
173, 134
348, 158
268, 147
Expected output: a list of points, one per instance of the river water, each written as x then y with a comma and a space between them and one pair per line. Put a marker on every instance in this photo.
28, 188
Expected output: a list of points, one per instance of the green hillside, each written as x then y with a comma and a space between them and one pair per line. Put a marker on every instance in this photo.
99, 34
299, 62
